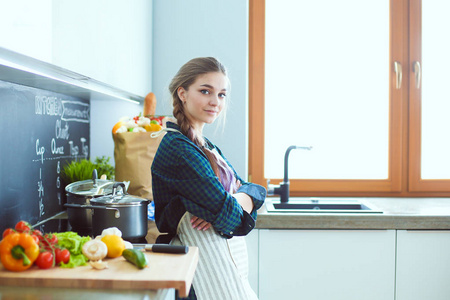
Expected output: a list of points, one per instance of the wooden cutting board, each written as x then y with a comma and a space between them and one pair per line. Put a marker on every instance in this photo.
163, 271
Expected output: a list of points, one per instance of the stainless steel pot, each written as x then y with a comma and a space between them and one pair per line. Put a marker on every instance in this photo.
80, 193
118, 209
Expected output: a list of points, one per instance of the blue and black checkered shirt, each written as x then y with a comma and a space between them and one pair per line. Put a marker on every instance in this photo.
183, 180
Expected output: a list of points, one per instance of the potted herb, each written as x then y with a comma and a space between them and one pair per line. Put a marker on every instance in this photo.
82, 169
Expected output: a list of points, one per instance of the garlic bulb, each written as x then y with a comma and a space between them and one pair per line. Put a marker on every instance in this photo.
108, 231
99, 264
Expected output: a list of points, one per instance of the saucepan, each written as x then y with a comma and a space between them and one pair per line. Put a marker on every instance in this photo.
80, 193
126, 212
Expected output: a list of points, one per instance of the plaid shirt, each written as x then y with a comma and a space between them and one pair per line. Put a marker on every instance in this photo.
183, 180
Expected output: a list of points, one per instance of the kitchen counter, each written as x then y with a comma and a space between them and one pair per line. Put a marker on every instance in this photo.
164, 274
398, 213
12, 293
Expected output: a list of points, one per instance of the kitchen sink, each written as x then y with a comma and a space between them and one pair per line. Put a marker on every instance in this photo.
318, 205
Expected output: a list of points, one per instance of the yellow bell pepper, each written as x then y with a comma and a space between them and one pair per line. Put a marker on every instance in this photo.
18, 251
153, 127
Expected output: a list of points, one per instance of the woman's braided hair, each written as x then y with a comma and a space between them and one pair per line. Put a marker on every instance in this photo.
185, 77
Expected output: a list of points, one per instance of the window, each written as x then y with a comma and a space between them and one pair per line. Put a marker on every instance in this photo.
363, 83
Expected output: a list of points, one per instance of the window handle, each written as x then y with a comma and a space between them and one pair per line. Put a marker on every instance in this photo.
417, 72
398, 74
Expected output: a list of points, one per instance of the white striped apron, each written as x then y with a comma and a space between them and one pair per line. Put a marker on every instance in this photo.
222, 271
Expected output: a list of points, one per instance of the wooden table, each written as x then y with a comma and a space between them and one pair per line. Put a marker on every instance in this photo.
165, 271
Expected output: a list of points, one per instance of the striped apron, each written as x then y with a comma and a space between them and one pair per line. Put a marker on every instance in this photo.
222, 271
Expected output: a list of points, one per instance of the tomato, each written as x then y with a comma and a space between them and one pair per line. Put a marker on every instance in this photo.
44, 260
51, 238
36, 232
8, 231
22, 226
158, 120
61, 256
36, 238
48, 241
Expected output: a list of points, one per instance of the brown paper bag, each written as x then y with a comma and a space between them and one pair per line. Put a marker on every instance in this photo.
133, 154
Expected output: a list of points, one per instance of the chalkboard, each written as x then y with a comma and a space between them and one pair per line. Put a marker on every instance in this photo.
41, 131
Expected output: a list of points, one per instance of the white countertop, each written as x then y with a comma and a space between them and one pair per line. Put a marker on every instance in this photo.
398, 213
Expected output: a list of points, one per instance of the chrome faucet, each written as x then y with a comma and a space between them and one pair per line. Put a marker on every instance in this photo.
283, 188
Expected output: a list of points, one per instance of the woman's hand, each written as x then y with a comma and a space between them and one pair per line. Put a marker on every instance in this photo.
199, 223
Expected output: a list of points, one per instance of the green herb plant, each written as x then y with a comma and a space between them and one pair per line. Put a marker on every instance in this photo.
82, 169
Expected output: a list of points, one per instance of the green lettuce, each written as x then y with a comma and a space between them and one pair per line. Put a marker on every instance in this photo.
74, 243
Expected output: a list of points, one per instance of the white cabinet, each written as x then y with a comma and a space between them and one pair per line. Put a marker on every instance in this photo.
109, 40
423, 265
326, 264
252, 240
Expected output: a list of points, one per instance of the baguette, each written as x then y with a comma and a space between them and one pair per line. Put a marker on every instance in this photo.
149, 105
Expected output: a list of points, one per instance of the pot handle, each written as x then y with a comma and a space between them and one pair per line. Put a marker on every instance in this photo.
115, 186
94, 177
84, 206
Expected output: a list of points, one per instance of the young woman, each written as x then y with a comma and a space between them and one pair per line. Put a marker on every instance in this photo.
199, 199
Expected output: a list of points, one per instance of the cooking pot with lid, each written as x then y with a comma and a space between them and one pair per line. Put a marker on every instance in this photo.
80, 193
126, 212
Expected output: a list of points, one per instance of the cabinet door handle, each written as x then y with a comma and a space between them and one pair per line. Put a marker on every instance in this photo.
398, 74
417, 72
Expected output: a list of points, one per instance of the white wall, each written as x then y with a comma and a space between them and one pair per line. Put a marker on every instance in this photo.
137, 46
26, 27
186, 29
108, 40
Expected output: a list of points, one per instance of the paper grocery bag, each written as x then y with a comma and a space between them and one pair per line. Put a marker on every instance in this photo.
133, 154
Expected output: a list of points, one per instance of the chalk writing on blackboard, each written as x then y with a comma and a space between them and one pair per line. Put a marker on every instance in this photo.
42, 131
75, 111
61, 146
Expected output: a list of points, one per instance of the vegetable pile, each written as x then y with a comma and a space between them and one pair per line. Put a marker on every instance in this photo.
22, 247
143, 122
138, 124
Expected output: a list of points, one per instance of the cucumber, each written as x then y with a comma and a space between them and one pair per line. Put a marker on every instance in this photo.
136, 257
